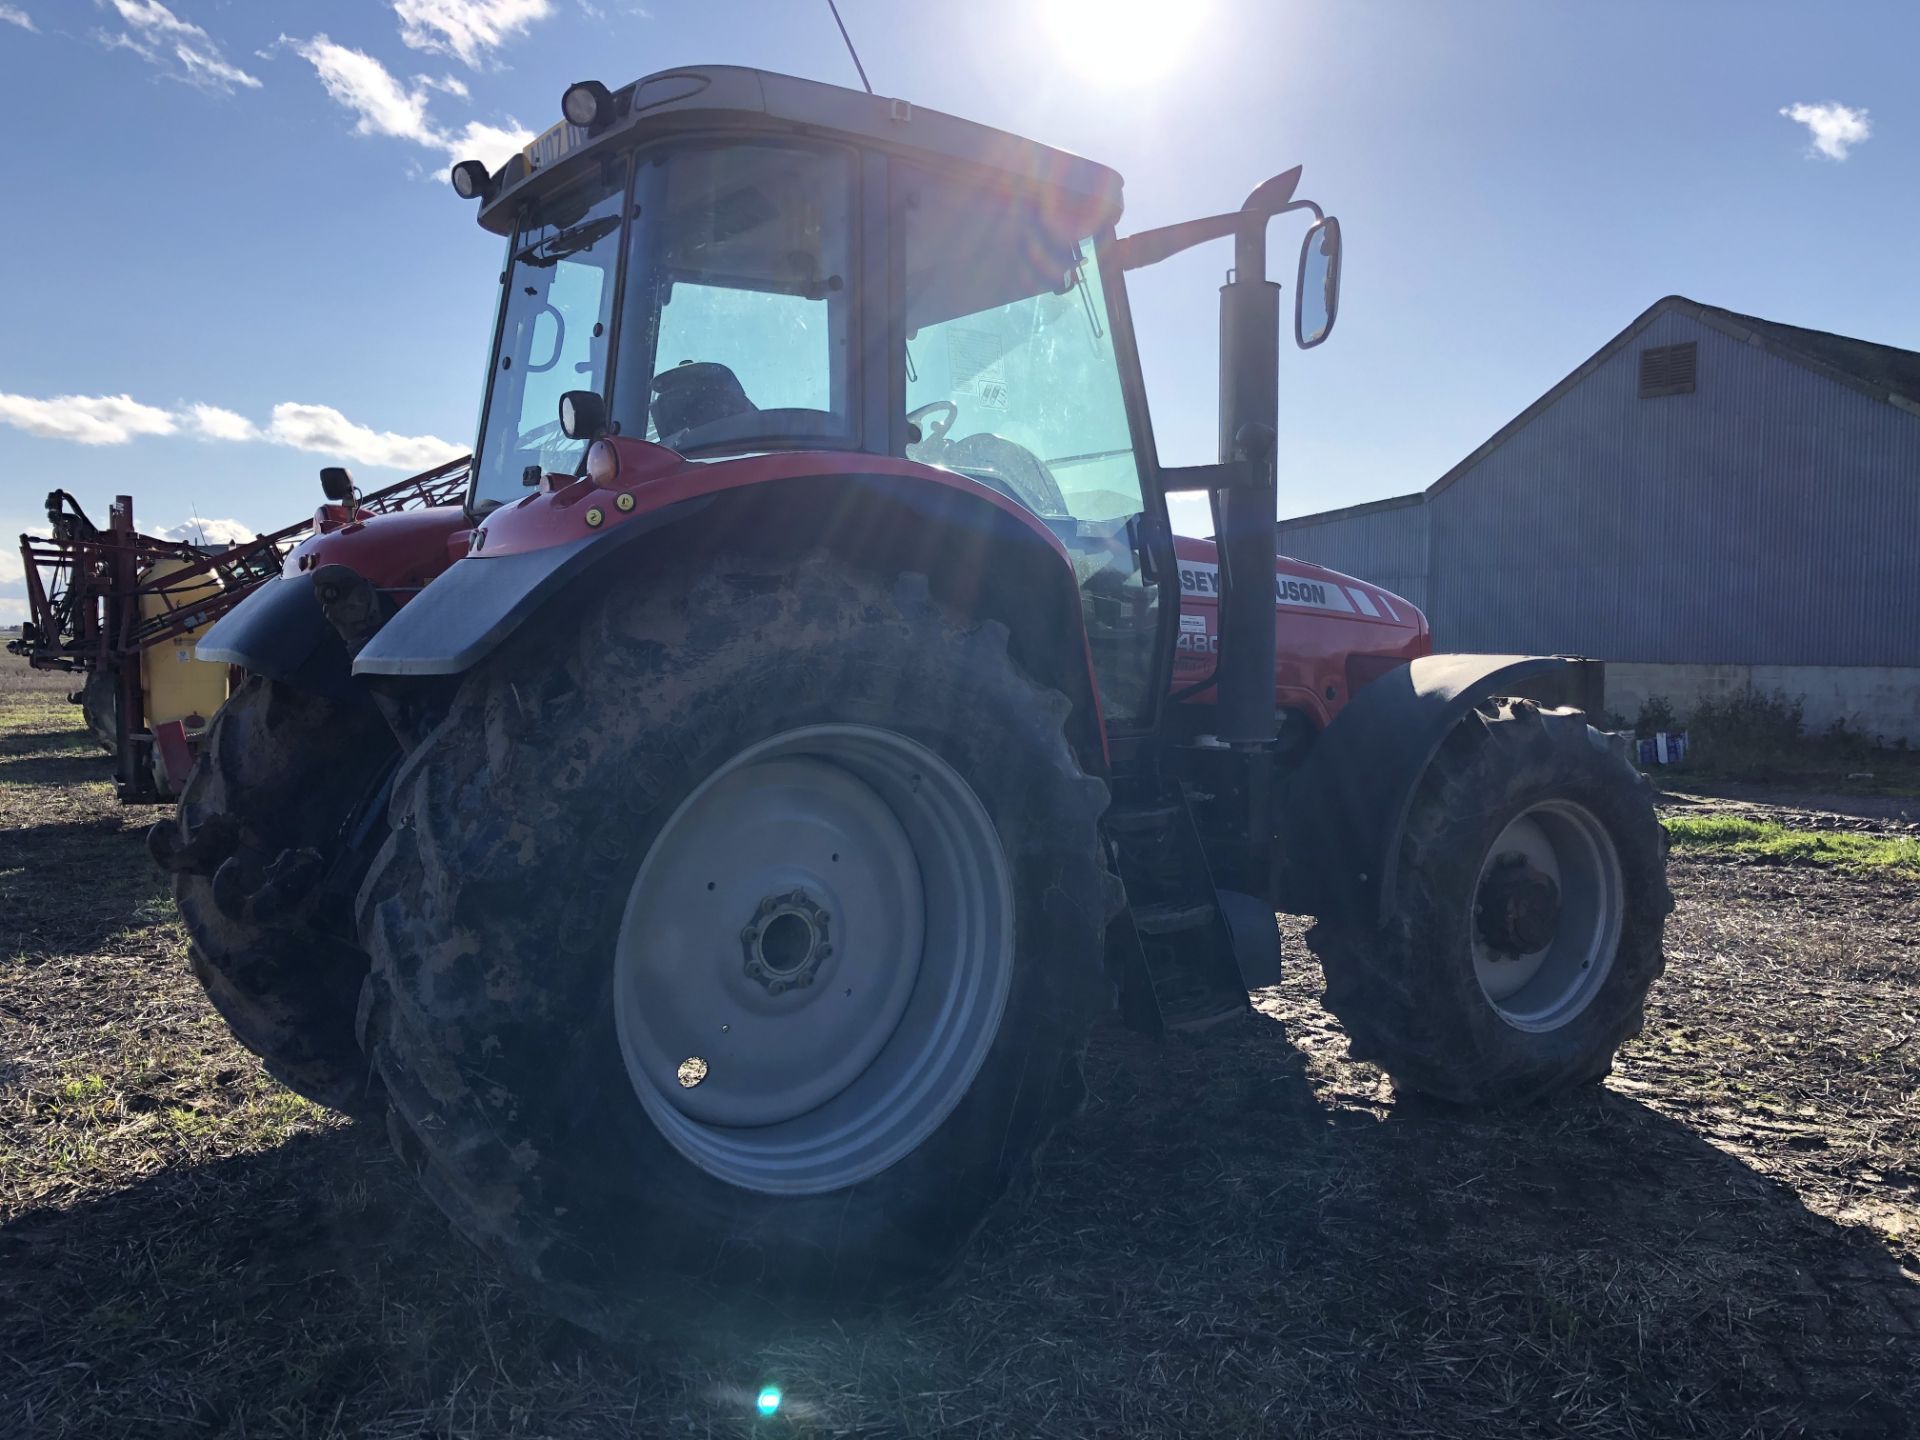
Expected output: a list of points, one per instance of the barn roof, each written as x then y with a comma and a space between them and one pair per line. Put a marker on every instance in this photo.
1884, 372
1878, 367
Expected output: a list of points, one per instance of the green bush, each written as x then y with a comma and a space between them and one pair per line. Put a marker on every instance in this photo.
1756, 734
1751, 719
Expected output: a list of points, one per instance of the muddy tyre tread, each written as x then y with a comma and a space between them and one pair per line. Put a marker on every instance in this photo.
285, 765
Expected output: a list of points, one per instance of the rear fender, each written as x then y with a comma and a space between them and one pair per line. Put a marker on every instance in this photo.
986, 560
1345, 809
279, 629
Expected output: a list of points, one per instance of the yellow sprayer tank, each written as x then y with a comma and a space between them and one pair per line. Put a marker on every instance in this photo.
174, 685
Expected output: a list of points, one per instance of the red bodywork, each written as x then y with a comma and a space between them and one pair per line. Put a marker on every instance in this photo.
1335, 633
399, 552
655, 477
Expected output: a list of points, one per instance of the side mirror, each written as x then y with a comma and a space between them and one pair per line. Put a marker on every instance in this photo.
583, 415
1316, 293
336, 484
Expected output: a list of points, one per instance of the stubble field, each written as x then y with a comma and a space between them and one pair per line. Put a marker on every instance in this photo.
1244, 1233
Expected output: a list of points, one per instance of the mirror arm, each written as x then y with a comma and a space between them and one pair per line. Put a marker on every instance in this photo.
1272, 197
1250, 241
1238, 474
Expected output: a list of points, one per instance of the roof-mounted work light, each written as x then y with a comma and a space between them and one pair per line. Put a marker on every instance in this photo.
470, 179
587, 103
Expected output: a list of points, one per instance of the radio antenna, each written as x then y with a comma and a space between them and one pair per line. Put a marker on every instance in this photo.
850, 50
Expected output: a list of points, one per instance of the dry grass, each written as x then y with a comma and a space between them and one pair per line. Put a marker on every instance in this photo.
19, 678
1243, 1233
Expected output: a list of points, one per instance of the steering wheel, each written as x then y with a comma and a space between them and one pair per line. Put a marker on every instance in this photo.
936, 430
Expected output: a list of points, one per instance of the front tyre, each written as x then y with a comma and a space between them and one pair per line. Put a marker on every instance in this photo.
1527, 918
270, 811
744, 937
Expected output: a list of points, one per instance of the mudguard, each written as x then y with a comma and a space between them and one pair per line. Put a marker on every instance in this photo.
478, 602
280, 631
1352, 794
984, 553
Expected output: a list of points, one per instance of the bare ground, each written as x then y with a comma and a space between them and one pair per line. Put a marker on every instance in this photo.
1243, 1234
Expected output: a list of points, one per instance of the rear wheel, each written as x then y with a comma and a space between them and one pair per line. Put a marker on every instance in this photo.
751, 942
1527, 918
264, 881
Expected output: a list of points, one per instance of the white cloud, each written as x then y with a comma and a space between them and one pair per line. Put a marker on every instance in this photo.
180, 48
117, 419
446, 85
207, 532
14, 15
383, 106
491, 144
361, 83
210, 422
324, 430
12, 612
466, 28
1834, 127
85, 419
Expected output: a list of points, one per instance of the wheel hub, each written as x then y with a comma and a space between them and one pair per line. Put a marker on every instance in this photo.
1546, 915
1518, 907
786, 941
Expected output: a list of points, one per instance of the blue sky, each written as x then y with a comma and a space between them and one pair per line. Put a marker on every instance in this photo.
232, 240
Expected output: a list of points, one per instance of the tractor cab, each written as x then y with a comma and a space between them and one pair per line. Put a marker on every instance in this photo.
732, 263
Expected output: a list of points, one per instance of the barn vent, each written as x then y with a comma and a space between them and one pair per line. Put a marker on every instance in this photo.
1667, 369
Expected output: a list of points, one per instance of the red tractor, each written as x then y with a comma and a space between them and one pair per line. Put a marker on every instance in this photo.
710, 844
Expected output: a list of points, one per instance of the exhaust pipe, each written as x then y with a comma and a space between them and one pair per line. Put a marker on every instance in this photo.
1243, 516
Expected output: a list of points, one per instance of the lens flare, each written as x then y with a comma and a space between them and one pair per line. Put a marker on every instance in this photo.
768, 1400
1124, 42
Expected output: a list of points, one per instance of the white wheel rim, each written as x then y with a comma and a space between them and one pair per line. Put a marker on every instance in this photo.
1551, 985
814, 959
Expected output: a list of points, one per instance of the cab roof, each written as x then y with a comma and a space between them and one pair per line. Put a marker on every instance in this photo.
710, 98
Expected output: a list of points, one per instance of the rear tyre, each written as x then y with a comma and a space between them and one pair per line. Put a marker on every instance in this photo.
268, 905
1527, 917
749, 944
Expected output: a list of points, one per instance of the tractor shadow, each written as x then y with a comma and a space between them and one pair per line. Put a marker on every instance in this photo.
36, 741
80, 766
1222, 1218
77, 886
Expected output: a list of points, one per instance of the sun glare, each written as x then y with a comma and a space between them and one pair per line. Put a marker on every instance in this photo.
1123, 42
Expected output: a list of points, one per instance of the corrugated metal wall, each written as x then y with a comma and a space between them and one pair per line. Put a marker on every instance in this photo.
1387, 546
1771, 517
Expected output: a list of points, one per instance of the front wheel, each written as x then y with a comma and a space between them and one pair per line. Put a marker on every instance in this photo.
750, 941
264, 851
1527, 916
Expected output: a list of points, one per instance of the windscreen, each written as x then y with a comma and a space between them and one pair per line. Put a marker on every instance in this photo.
1010, 354
1013, 377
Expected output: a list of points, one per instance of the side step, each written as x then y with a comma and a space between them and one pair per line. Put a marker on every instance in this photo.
1172, 946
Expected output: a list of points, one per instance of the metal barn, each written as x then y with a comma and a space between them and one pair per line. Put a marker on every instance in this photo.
1712, 500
